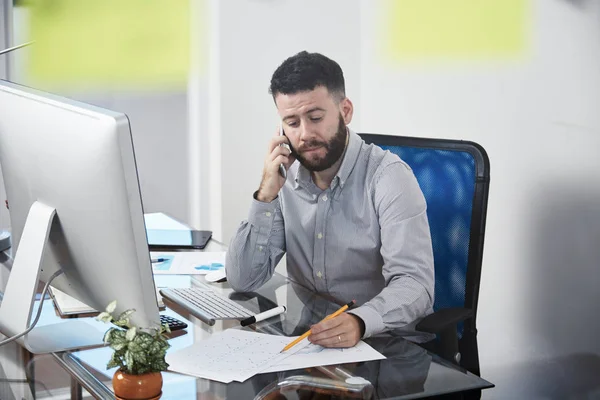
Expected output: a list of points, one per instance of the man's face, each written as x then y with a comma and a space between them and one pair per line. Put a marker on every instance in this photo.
315, 124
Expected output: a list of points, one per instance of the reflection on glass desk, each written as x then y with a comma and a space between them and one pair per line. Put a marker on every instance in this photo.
409, 372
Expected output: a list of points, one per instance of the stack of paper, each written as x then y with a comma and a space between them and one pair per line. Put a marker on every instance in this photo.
67, 305
236, 355
231, 355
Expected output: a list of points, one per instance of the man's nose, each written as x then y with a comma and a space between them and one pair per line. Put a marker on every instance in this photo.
305, 134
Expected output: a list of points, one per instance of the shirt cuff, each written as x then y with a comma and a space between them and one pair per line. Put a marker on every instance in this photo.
373, 321
262, 214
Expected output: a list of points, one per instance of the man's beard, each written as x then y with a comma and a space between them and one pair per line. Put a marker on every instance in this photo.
334, 150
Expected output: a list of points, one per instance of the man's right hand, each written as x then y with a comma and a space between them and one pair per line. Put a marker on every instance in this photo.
272, 181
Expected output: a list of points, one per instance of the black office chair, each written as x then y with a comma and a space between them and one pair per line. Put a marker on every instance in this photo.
454, 177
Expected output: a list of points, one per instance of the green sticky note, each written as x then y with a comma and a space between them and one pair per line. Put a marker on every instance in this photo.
460, 29
118, 43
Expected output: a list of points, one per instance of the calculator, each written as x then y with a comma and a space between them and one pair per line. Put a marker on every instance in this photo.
173, 323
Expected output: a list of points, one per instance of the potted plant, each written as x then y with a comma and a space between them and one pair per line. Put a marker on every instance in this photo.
138, 352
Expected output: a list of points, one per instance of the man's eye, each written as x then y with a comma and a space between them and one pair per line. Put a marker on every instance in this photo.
316, 119
292, 124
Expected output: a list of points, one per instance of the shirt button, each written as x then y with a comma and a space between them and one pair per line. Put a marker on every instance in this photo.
320, 236
319, 274
260, 248
325, 198
268, 214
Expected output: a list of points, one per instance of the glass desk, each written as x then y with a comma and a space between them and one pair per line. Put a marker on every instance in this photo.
409, 372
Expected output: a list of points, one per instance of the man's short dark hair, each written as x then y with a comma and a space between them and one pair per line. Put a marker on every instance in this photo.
304, 72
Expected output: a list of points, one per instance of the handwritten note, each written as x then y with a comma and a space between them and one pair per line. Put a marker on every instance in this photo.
232, 355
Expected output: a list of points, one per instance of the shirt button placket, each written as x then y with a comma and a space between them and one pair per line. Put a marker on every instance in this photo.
320, 242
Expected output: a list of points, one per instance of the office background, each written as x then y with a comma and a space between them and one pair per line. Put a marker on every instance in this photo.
200, 150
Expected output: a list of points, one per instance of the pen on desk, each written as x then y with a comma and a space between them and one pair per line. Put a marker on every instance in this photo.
307, 333
263, 315
158, 260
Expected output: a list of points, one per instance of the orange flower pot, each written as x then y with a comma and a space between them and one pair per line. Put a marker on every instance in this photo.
137, 387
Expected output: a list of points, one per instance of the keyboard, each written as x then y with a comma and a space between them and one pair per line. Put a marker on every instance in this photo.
174, 323
206, 304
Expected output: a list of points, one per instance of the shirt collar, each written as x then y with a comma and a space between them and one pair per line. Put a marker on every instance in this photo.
303, 177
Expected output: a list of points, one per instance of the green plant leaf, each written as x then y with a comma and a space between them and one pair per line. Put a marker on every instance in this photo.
111, 307
160, 365
118, 345
131, 332
104, 317
115, 361
136, 350
129, 360
144, 369
123, 323
107, 335
118, 340
125, 314
139, 357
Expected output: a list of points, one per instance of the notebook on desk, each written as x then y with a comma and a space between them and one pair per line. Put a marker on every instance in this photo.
67, 306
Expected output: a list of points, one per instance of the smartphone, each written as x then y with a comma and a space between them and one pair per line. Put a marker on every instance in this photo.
173, 239
282, 170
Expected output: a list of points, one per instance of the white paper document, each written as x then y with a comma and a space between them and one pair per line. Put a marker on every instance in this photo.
232, 355
187, 262
67, 305
236, 355
313, 355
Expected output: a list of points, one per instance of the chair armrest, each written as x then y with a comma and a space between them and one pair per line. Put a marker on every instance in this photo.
443, 319
443, 323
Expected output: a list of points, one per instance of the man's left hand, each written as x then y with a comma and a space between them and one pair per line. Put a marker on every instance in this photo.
341, 331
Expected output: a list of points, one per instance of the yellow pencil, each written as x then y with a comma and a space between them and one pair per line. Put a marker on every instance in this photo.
307, 333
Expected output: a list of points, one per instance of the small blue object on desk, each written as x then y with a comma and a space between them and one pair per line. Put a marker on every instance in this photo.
210, 267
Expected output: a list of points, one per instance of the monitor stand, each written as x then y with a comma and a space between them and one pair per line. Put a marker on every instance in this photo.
4, 240
19, 295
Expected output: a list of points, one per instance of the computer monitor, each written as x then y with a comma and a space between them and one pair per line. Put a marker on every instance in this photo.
71, 181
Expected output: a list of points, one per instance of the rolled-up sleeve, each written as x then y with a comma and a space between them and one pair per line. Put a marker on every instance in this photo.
406, 250
257, 247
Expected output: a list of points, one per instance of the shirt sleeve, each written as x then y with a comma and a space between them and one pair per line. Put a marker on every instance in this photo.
406, 250
257, 247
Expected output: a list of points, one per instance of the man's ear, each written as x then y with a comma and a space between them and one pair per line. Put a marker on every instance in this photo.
347, 110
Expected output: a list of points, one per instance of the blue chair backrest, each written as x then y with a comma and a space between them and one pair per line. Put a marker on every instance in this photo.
447, 179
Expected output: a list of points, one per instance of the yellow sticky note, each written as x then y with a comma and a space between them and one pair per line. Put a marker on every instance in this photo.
118, 43
426, 29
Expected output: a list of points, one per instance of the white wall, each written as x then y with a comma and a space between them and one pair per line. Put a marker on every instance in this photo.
159, 123
537, 118
255, 37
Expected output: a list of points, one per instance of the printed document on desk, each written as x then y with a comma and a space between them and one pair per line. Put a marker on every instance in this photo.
232, 355
236, 355
187, 262
314, 355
